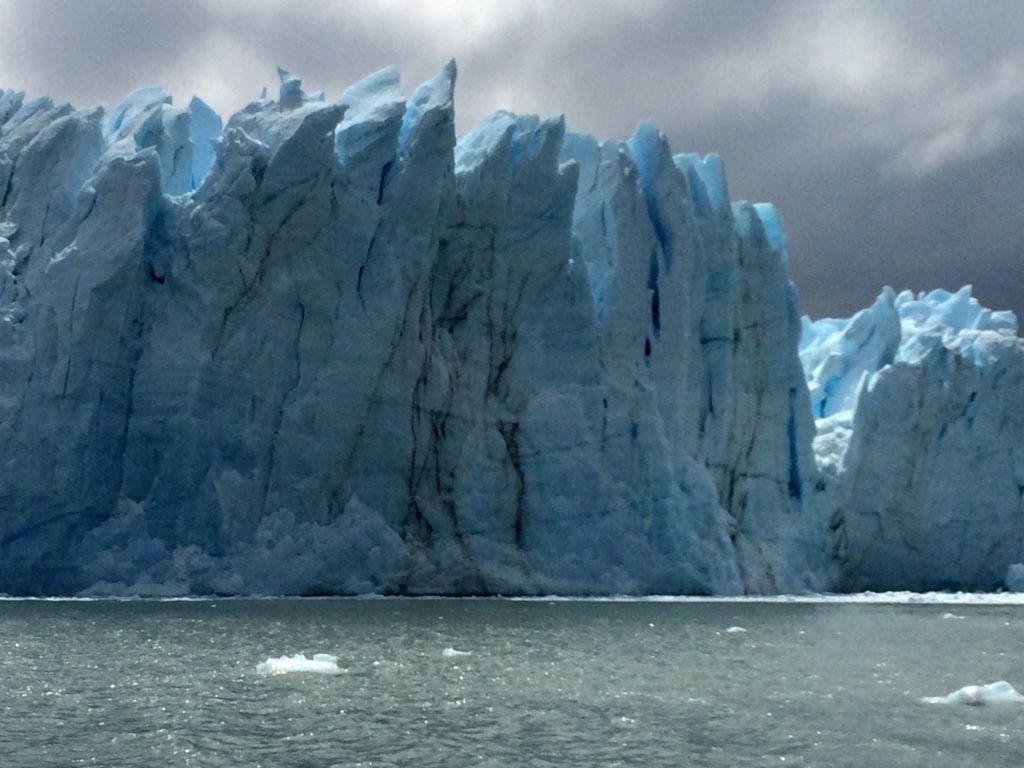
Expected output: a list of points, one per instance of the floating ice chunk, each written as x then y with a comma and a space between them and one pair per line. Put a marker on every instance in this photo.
735, 630
451, 653
1000, 692
952, 616
321, 663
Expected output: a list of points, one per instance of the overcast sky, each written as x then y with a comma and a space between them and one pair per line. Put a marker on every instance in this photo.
889, 134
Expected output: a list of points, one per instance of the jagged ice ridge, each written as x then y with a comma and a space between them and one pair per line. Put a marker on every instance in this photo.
919, 402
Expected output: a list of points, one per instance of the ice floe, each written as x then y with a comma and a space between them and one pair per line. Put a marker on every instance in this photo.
321, 663
999, 692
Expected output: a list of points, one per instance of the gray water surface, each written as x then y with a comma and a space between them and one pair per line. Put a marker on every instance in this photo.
548, 684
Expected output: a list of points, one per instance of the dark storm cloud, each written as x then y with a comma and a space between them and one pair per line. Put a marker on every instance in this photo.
887, 133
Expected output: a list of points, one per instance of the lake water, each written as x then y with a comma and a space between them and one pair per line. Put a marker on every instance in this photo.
559, 683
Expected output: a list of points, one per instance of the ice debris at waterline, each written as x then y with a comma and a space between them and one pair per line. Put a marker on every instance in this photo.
1000, 692
919, 402
452, 653
327, 348
321, 664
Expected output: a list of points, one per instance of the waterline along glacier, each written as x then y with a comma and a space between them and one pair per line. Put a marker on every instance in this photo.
328, 348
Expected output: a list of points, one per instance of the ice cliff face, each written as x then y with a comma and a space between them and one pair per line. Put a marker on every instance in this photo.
331, 349
920, 409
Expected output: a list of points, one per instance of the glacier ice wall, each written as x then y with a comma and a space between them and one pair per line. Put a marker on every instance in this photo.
919, 403
327, 348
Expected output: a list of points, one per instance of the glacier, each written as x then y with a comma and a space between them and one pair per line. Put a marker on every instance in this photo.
328, 347
919, 402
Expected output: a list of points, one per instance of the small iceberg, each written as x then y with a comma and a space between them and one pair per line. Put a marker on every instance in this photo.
321, 663
451, 653
1000, 692
734, 630
952, 616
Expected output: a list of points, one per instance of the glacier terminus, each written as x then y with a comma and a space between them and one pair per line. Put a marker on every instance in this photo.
327, 347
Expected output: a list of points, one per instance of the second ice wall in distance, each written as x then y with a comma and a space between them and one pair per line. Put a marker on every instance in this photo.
919, 403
